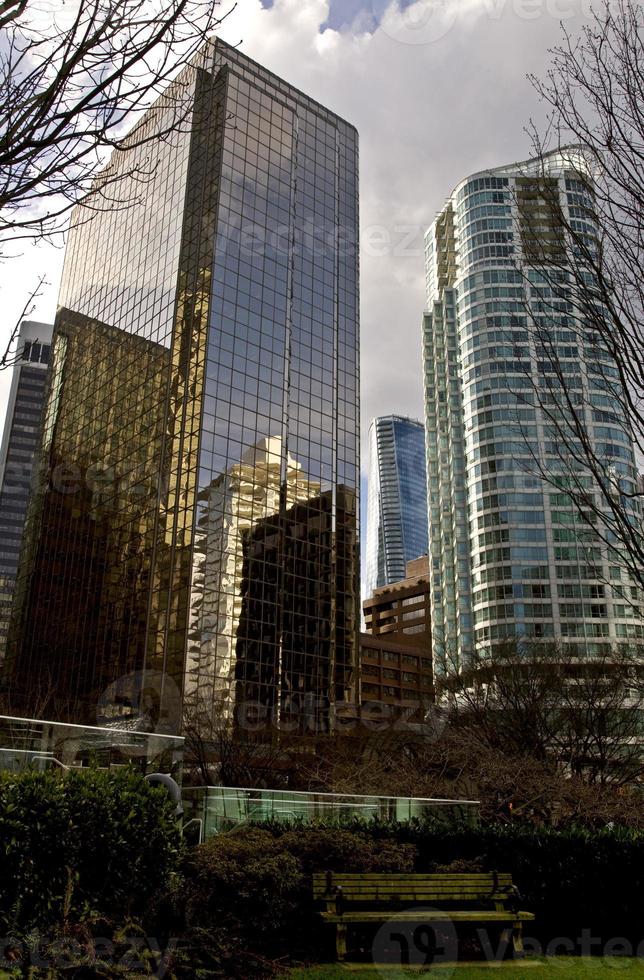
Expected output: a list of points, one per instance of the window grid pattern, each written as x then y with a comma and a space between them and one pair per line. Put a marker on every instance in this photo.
396, 499
523, 540
204, 399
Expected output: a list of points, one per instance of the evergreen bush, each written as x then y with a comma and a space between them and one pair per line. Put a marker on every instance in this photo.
80, 844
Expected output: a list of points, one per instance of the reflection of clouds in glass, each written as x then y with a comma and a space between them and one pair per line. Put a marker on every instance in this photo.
281, 372
121, 267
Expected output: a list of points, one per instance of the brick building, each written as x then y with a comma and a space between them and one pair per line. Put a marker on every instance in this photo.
395, 650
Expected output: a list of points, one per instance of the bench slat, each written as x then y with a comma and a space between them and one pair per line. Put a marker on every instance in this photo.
383, 895
401, 876
393, 889
426, 886
431, 916
414, 882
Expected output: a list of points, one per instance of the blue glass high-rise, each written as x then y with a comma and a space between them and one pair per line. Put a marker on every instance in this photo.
396, 499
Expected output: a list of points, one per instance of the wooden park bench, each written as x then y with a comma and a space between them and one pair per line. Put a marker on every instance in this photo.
353, 899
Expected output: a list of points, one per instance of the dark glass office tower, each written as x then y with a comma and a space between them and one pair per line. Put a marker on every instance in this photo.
19, 443
195, 530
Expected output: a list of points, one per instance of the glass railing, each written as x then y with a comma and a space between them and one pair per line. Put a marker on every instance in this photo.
51, 744
220, 808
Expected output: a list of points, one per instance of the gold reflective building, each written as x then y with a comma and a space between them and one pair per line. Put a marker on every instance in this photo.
202, 419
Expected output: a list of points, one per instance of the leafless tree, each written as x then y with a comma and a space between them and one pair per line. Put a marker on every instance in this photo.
534, 733
507, 696
45, 701
74, 76
358, 761
515, 786
601, 709
590, 282
8, 359
218, 754
463, 763
577, 714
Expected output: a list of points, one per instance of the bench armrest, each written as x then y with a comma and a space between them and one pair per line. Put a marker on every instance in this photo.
334, 901
333, 895
509, 897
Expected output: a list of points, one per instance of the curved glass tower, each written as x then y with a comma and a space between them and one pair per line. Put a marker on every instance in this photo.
510, 555
396, 499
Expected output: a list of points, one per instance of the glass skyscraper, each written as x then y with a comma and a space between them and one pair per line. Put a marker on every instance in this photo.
19, 444
396, 499
509, 553
194, 534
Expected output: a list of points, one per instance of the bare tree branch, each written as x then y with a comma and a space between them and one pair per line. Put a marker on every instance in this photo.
8, 359
73, 78
593, 288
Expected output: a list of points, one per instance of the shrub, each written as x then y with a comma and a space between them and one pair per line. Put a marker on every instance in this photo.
575, 879
81, 844
247, 881
244, 901
321, 848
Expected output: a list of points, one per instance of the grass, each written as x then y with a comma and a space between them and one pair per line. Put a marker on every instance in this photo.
564, 967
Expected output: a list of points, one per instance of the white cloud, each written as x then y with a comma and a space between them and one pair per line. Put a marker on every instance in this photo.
429, 112
438, 91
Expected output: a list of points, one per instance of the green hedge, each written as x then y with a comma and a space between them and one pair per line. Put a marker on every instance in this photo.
84, 843
90, 844
573, 880
244, 898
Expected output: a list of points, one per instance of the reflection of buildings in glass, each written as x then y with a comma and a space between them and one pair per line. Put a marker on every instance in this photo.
235, 503
295, 640
19, 444
95, 506
237, 259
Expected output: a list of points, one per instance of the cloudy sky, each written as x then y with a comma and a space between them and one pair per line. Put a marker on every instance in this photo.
437, 89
